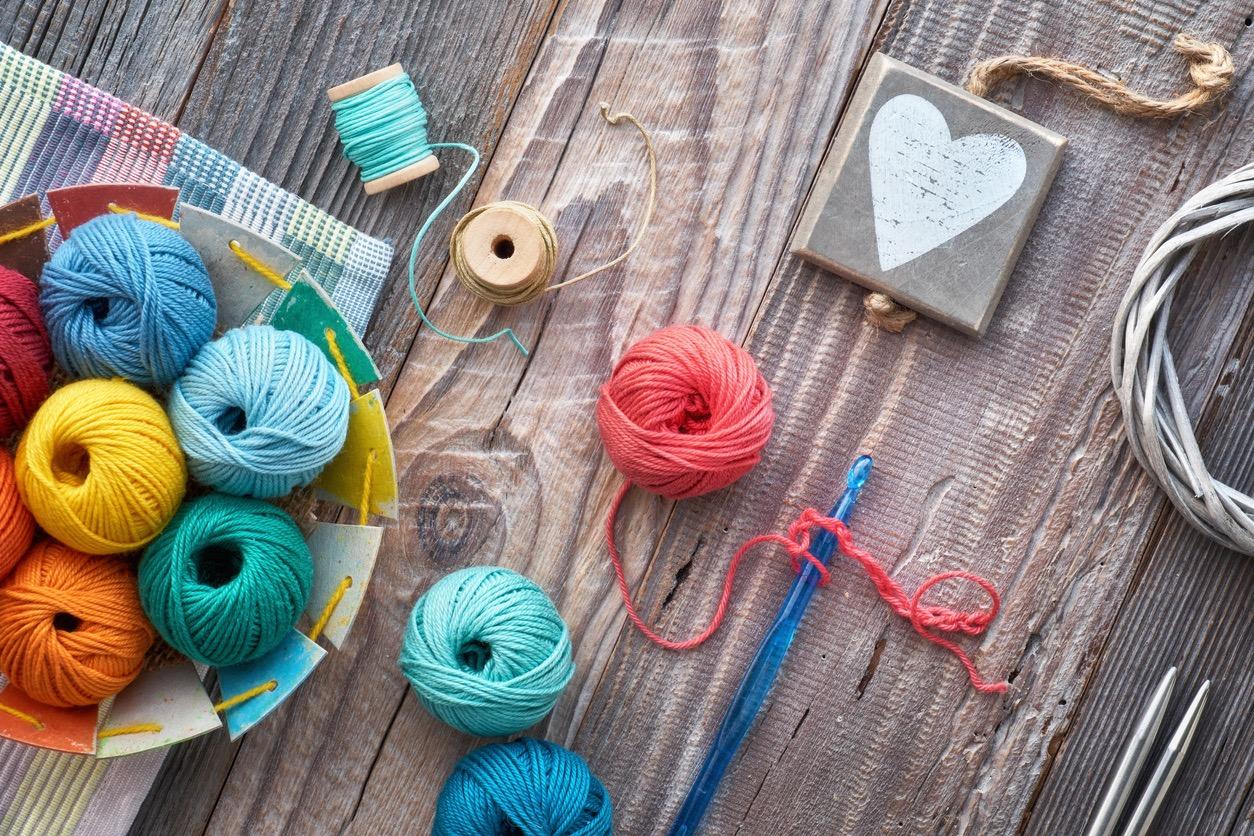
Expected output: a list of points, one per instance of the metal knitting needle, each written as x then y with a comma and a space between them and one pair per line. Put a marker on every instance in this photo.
765, 665
1133, 758
1168, 767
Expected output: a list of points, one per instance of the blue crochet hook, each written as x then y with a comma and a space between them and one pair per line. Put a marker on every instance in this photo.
760, 677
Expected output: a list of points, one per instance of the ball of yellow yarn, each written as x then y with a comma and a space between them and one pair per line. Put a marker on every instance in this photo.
100, 468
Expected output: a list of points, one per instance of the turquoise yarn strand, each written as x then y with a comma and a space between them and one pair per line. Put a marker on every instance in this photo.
422, 233
486, 651
259, 412
531, 787
123, 297
226, 580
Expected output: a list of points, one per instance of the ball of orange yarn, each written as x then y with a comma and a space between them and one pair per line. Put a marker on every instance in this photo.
72, 631
100, 468
17, 526
25, 357
685, 412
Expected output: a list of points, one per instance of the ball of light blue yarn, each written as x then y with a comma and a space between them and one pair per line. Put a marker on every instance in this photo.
259, 412
126, 298
486, 651
227, 579
531, 787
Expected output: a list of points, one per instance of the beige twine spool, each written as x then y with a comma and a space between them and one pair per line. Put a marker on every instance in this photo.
1210, 69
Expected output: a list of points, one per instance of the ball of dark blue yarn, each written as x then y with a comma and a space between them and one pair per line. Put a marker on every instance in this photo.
123, 297
528, 786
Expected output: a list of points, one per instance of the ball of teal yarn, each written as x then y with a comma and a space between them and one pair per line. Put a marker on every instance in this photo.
259, 412
486, 651
126, 298
226, 580
528, 786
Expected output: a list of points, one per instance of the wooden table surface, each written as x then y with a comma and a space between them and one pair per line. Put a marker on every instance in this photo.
1003, 456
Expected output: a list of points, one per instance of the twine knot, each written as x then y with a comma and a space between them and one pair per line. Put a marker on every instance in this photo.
883, 312
1210, 65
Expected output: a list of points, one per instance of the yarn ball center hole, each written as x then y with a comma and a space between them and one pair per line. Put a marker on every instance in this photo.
503, 247
474, 655
218, 564
693, 416
66, 622
99, 308
233, 420
71, 464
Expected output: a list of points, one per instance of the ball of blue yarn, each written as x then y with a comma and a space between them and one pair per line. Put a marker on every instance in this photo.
486, 651
123, 297
528, 786
227, 579
259, 411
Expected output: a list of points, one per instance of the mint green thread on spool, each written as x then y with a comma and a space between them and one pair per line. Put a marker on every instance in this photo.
384, 128
486, 651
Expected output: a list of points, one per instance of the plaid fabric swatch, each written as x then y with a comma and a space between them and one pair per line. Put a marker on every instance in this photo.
58, 131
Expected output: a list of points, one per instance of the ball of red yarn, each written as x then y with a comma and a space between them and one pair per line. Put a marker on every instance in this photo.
17, 526
25, 357
72, 631
685, 412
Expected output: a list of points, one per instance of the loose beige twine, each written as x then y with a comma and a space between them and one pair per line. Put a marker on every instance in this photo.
1210, 69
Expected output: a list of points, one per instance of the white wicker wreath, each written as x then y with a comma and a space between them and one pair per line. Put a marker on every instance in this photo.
1144, 372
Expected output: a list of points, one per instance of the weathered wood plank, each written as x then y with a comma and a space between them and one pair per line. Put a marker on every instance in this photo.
1190, 605
501, 459
1001, 456
148, 54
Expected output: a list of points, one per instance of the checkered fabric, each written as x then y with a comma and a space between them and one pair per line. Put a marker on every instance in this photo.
58, 131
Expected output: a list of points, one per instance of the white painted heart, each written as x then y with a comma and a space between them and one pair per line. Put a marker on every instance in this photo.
927, 187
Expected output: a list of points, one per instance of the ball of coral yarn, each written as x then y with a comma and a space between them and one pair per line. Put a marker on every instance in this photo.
227, 580
259, 412
71, 628
685, 412
17, 526
25, 357
100, 468
526, 786
129, 298
486, 651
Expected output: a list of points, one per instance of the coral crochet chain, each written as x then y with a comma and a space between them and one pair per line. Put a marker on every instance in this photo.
929, 621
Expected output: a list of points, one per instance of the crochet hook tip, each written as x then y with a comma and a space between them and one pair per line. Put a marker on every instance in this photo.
859, 472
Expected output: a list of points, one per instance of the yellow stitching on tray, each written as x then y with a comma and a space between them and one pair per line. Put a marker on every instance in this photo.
9, 237
341, 362
367, 482
231, 702
144, 216
138, 728
336, 597
258, 266
22, 715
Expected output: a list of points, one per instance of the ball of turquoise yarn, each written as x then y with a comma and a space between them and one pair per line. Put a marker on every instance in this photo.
528, 786
126, 298
486, 651
259, 412
227, 580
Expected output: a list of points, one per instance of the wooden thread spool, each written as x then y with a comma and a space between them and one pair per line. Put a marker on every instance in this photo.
360, 85
505, 252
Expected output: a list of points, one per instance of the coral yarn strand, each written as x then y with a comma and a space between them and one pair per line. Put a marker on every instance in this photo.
926, 620
724, 600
